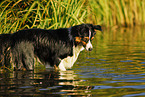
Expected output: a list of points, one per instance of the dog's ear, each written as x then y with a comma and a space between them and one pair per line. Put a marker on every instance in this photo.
97, 27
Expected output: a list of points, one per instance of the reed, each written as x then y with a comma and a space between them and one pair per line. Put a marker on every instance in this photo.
21, 14
118, 12
40, 14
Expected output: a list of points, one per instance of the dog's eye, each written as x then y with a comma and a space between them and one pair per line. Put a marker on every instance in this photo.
94, 33
86, 38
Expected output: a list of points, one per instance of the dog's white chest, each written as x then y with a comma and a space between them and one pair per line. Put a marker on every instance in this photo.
68, 62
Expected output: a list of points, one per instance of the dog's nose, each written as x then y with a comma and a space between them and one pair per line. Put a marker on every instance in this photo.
90, 49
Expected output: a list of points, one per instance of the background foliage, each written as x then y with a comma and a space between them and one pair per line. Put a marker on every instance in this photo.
22, 14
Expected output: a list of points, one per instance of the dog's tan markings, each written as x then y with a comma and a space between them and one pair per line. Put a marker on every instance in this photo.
92, 38
78, 39
56, 68
86, 38
84, 43
95, 30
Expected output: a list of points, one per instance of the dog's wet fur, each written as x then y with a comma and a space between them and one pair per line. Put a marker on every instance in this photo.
54, 48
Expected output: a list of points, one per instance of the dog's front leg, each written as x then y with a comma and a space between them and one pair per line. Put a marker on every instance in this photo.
61, 66
56, 63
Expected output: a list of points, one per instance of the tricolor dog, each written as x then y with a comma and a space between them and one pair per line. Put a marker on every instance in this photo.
54, 48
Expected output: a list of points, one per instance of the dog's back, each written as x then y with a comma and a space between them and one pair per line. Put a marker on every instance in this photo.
48, 44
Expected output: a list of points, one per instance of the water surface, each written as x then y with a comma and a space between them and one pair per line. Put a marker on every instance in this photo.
115, 68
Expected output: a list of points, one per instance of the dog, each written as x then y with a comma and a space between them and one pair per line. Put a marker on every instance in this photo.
5, 41
57, 48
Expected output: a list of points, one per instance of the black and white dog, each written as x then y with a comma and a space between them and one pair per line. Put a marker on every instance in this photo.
54, 48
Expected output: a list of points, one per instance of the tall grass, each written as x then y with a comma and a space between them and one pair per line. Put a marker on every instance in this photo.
118, 12
16, 15
21, 14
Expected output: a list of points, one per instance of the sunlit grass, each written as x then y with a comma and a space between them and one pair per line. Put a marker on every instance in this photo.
118, 12
19, 14
40, 14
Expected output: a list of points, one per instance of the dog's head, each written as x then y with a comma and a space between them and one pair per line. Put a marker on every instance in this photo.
84, 34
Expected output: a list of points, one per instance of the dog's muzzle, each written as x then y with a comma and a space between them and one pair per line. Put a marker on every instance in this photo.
89, 46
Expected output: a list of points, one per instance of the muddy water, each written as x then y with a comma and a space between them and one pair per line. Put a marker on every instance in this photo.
115, 67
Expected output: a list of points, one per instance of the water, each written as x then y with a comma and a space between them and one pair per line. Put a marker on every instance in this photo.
115, 68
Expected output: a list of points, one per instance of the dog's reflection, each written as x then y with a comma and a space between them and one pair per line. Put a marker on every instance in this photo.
44, 82
60, 82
